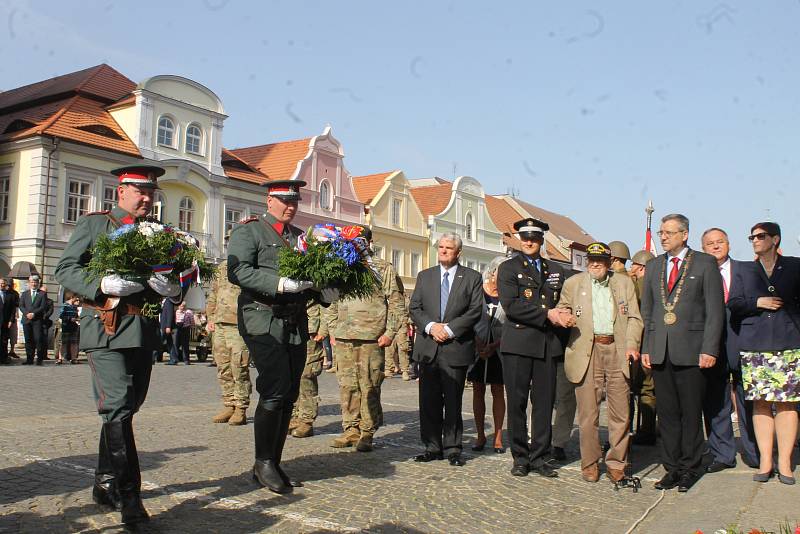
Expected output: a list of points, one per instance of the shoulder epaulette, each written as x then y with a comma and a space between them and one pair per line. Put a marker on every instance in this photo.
249, 219
106, 212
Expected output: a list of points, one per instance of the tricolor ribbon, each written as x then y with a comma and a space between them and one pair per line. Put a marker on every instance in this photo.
190, 276
162, 269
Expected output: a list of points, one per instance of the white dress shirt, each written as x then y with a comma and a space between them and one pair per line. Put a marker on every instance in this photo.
681, 256
725, 271
451, 274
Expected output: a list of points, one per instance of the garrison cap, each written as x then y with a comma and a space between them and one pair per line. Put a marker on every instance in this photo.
619, 250
366, 233
598, 251
285, 189
140, 175
531, 228
642, 257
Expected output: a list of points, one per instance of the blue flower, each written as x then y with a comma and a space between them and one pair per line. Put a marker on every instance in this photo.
122, 230
346, 251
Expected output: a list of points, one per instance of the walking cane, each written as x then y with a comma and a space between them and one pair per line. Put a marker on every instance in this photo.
629, 481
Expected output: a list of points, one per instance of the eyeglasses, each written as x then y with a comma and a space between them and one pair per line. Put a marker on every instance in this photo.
662, 233
758, 237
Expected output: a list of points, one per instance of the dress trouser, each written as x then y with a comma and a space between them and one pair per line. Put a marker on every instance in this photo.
120, 380
747, 437
566, 406
5, 335
35, 340
717, 409
441, 387
279, 366
680, 390
535, 378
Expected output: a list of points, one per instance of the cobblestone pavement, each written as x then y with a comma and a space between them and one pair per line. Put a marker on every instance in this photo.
197, 473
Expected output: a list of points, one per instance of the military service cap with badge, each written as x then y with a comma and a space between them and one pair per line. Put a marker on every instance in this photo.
287, 190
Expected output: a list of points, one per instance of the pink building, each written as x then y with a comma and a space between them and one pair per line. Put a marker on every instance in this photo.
328, 195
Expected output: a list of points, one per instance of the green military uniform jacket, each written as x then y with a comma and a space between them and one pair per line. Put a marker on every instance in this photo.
253, 266
134, 331
370, 318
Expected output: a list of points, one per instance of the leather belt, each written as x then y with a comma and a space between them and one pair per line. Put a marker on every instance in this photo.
111, 312
603, 340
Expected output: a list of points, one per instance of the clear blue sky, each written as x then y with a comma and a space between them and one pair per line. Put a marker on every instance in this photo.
586, 108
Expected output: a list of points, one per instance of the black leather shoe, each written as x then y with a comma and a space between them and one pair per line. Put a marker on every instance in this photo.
687, 481
545, 470
456, 459
558, 454
520, 470
266, 474
428, 456
669, 481
716, 467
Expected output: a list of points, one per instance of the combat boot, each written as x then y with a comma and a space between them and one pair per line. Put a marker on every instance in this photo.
239, 417
349, 438
303, 430
406, 376
293, 424
364, 442
224, 415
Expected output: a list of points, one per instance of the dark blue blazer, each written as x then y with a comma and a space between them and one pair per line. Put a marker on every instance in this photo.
730, 345
766, 330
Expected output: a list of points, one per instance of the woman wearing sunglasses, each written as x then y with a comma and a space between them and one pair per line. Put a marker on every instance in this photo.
766, 299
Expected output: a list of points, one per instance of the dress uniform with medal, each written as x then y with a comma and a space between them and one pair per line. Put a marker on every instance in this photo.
529, 288
118, 340
273, 322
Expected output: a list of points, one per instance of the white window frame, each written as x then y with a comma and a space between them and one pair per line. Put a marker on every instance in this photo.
5, 195
199, 151
416, 257
469, 226
398, 266
88, 199
175, 131
159, 202
105, 203
325, 196
230, 225
377, 251
186, 214
397, 212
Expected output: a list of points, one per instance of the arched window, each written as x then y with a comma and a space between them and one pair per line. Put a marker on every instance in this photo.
166, 132
158, 206
324, 196
194, 139
186, 214
468, 224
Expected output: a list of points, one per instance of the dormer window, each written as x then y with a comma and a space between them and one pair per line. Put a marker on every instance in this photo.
194, 139
166, 132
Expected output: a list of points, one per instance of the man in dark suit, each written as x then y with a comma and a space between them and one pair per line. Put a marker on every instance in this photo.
717, 407
445, 307
8, 314
167, 325
684, 316
33, 305
529, 287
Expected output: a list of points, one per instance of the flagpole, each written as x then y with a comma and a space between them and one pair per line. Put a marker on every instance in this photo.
648, 232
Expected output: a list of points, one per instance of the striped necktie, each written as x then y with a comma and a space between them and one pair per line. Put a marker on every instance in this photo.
445, 294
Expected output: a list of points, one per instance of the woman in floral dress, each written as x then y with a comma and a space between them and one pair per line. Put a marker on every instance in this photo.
765, 298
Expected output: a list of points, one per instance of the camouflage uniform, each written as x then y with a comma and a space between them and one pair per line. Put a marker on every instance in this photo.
229, 350
356, 325
307, 405
397, 352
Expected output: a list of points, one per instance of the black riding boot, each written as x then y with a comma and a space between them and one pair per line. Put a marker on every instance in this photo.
125, 463
104, 491
285, 418
267, 425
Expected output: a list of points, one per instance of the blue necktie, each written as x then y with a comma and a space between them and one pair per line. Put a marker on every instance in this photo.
444, 294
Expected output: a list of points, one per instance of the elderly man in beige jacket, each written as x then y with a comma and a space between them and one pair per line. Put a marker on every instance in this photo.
605, 337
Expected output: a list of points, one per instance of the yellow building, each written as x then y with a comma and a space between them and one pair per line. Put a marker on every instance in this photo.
398, 227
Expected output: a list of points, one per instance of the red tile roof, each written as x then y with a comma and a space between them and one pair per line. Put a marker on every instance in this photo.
79, 119
502, 213
366, 187
276, 160
237, 168
433, 199
100, 82
560, 225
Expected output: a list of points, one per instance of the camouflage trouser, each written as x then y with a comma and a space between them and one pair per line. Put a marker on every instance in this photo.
307, 405
398, 350
643, 382
233, 361
359, 369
